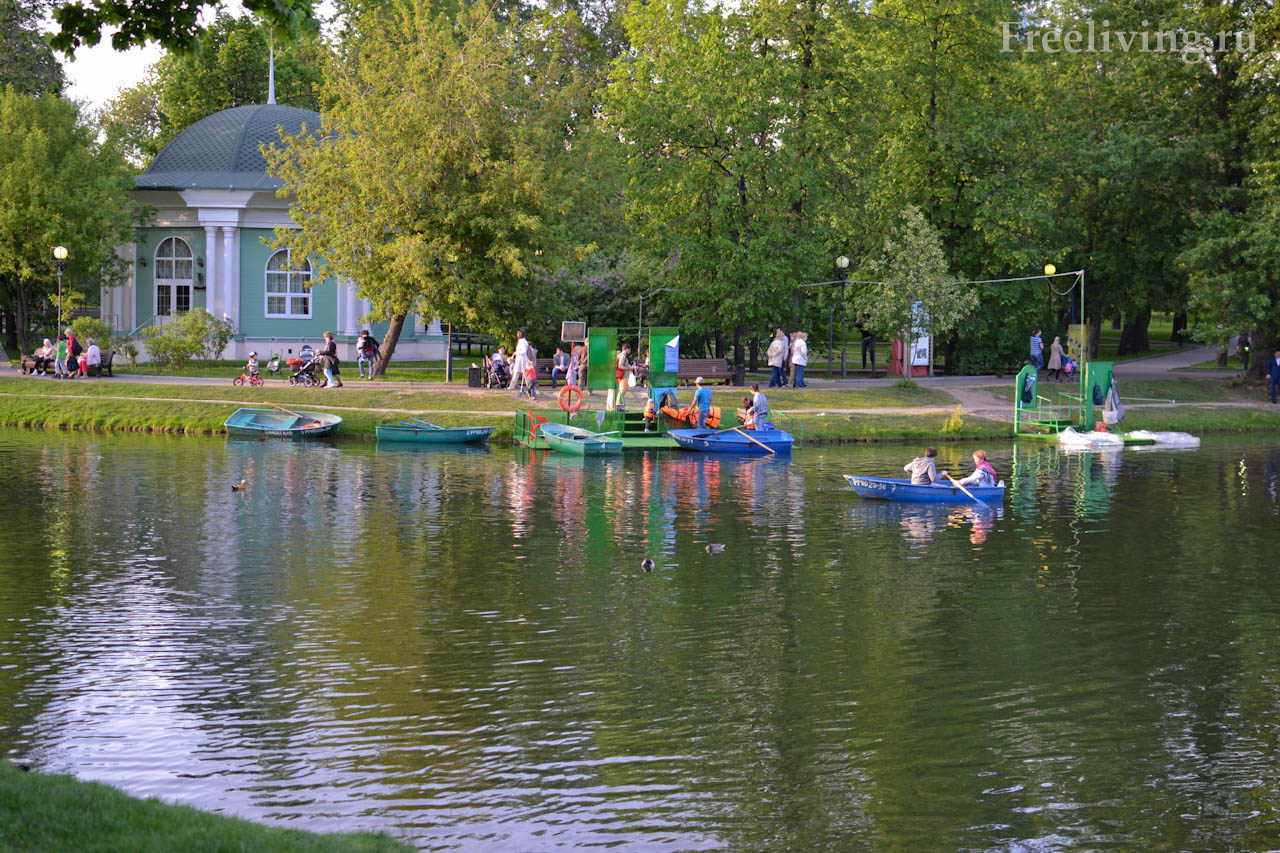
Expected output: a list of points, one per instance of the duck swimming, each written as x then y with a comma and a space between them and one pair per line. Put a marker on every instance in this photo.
715, 548
647, 564
239, 487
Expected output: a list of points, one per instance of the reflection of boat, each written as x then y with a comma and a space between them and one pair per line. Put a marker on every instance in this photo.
579, 441
432, 434
1164, 439
270, 422
410, 447
902, 490
733, 441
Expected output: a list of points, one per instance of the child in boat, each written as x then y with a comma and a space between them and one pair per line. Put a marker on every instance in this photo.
983, 474
923, 471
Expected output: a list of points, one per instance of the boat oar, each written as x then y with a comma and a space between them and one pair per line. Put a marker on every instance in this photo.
956, 483
314, 422
761, 443
424, 423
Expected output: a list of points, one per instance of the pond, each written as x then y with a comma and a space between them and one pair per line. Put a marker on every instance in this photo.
463, 649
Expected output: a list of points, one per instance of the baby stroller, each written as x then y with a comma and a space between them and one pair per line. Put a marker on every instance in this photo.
304, 368
496, 374
273, 366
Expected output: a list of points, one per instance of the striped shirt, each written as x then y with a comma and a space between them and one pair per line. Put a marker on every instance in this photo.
1037, 345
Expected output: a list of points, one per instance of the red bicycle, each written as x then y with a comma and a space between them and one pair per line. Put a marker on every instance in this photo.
253, 379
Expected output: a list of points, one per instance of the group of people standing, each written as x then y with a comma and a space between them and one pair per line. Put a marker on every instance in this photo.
788, 357
68, 357
1059, 363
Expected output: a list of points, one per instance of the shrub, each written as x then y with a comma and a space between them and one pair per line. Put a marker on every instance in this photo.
906, 385
91, 327
195, 333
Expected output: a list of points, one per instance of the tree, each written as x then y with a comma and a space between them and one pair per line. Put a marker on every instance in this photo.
26, 61
227, 67
173, 23
713, 107
58, 186
133, 122
908, 287
433, 187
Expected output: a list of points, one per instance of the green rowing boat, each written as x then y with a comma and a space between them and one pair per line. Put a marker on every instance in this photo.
422, 432
579, 441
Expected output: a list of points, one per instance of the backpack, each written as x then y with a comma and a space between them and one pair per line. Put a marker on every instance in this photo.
76, 349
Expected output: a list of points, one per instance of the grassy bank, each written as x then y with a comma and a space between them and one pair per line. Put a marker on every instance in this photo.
46, 812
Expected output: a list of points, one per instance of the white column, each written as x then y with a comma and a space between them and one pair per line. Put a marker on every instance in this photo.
235, 279
351, 309
211, 270
228, 273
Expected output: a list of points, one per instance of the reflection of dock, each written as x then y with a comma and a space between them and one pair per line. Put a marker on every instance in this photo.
628, 425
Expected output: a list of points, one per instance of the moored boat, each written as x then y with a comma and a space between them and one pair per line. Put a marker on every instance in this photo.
280, 423
758, 442
428, 433
582, 442
903, 490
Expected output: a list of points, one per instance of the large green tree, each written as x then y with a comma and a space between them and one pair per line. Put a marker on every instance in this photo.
58, 186
26, 61
438, 184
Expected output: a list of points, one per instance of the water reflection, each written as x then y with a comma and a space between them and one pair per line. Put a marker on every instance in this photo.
463, 648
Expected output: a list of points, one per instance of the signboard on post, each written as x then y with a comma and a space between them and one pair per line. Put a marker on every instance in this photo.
573, 331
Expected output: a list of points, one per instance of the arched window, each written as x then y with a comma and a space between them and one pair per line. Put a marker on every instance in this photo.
287, 293
173, 277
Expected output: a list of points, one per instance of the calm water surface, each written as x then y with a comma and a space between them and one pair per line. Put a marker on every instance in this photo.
461, 648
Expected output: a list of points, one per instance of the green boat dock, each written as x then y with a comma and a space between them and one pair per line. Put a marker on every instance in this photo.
628, 425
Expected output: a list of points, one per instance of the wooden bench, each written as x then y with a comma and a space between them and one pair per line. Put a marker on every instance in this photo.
28, 364
709, 369
108, 358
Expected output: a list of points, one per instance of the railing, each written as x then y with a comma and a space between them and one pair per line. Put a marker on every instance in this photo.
147, 322
789, 423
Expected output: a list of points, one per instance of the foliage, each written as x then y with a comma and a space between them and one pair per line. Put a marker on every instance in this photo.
191, 334
444, 178
173, 23
132, 121
954, 422
58, 186
91, 327
912, 288
26, 61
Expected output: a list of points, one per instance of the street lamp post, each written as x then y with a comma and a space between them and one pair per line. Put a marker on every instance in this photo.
59, 255
842, 264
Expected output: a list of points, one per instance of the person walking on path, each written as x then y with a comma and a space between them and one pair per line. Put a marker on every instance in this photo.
702, 400
1037, 350
366, 352
621, 369
799, 358
329, 360
1055, 359
1273, 374
868, 341
777, 356
520, 360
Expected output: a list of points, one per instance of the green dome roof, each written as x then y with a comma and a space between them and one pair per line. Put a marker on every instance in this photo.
221, 151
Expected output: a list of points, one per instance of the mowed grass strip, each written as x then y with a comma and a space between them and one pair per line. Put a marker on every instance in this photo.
50, 812
1146, 390
831, 429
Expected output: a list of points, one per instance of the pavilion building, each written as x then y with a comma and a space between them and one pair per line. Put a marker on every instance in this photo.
208, 242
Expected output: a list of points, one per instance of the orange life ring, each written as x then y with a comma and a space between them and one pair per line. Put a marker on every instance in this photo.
565, 398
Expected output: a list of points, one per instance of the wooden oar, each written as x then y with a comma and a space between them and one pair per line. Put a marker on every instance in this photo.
956, 483
757, 441
424, 423
314, 422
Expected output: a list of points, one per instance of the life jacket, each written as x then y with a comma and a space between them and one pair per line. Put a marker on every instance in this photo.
650, 411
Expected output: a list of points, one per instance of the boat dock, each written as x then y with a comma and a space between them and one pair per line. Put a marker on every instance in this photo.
629, 426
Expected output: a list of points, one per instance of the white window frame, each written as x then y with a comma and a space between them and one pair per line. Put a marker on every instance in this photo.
288, 295
172, 283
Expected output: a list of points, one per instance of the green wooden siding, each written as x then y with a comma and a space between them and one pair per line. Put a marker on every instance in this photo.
254, 253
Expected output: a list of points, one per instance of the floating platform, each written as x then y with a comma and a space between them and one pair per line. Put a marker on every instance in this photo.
629, 426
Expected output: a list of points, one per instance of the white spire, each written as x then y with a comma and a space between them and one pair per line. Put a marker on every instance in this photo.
271, 71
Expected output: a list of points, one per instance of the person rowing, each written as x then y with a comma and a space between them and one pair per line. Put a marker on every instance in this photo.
922, 468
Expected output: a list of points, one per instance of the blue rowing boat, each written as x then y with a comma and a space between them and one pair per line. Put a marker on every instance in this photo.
282, 424
899, 489
734, 441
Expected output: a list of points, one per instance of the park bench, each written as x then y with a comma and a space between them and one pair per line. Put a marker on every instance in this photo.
108, 357
709, 369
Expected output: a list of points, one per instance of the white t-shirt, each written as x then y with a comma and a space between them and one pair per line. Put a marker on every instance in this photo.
93, 355
800, 352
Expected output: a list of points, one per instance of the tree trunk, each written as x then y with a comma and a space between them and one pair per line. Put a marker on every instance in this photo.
755, 355
22, 318
389, 342
719, 344
737, 346
1134, 338
1179, 326
1260, 352
1095, 329
10, 331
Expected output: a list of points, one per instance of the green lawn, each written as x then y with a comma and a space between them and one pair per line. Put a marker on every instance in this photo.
41, 812
1181, 390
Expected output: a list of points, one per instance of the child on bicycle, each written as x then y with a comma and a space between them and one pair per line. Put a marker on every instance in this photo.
252, 367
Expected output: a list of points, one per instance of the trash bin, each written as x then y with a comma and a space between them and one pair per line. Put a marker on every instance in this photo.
474, 379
